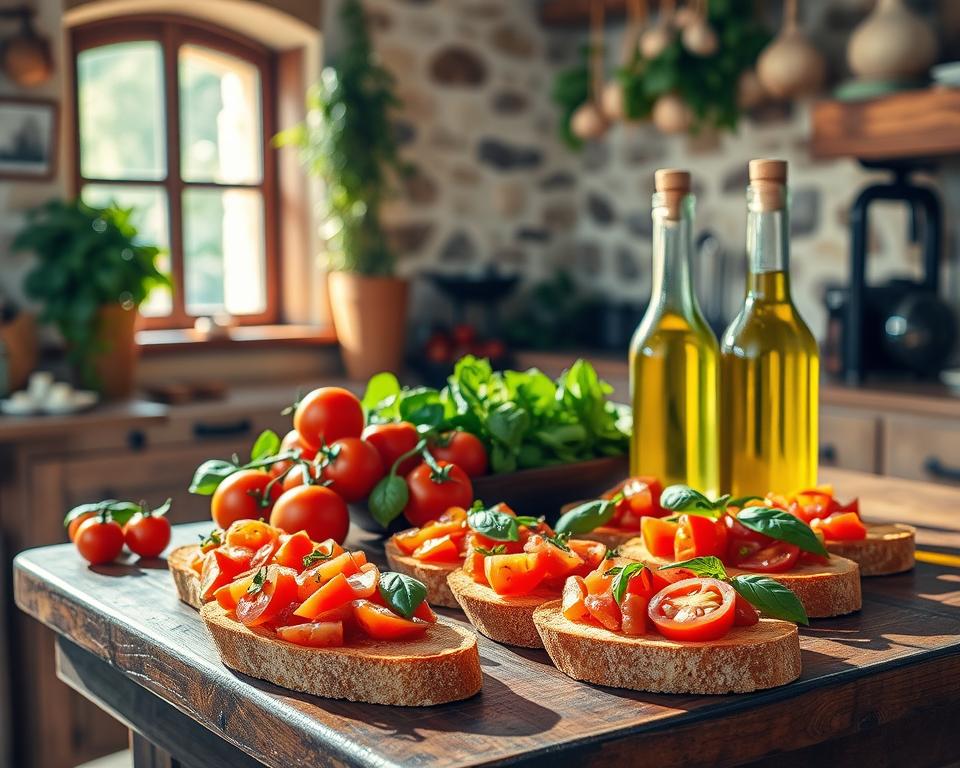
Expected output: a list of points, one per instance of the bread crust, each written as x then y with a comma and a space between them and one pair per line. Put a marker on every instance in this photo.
434, 575
507, 620
185, 578
747, 659
888, 549
440, 667
824, 590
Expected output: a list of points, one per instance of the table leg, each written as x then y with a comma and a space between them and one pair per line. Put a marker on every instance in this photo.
148, 755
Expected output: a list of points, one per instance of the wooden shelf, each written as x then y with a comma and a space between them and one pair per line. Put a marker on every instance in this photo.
911, 124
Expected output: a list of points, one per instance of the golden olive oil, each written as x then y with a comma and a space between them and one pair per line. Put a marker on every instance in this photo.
769, 361
674, 357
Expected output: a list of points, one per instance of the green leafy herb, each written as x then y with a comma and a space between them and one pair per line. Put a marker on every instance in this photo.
494, 524
388, 499
381, 395
402, 593
610, 554
782, 526
497, 550
209, 475
683, 498
560, 541
214, 538
317, 556
259, 579
705, 567
770, 597
528, 521
266, 444
120, 511
586, 517
621, 579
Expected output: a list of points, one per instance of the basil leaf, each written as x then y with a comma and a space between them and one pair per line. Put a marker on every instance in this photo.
782, 526
705, 567
209, 475
381, 387
387, 499
402, 593
770, 597
527, 520
622, 579
121, 511
266, 444
494, 524
683, 498
586, 517
740, 501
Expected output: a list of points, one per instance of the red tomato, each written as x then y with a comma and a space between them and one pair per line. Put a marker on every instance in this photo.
339, 590
430, 498
290, 441
439, 550
574, 592
776, 557
354, 468
514, 574
634, 612
391, 442
99, 540
241, 497
658, 536
327, 414
77, 522
147, 535
463, 449
646, 583
745, 615
318, 634
556, 561
641, 498
380, 623
591, 553
229, 594
277, 590
700, 536
844, 526
294, 477
694, 609
221, 566
314, 509
604, 610
293, 548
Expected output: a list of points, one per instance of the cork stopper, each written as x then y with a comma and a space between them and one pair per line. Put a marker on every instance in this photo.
768, 180
674, 185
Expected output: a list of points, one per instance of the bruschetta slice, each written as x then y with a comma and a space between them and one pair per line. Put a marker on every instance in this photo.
884, 551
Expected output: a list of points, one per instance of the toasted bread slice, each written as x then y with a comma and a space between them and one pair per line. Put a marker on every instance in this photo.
747, 659
186, 579
441, 666
434, 575
826, 590
888, 549
508, 620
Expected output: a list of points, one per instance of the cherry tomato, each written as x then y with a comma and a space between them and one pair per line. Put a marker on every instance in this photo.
147, 535
99, 539
275, 588
430, 497
658, 536
294, 477
776, 557
391, 442
700, 536
327, 414
314, 509
745, 615
354, 468
290, 441
844, 526
241, 497
463, 449
514, 574
694, 609
77, 522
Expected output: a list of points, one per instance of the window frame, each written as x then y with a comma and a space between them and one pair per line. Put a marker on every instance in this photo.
172, 32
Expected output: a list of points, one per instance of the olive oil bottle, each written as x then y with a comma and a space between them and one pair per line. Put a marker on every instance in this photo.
769, 360
674, 357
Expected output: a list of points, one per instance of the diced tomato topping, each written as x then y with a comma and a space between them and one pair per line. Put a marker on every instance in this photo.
439, 550
556, 560
571, 604
251, 534
315, 576
844, 526
380, 623
699, 536
658, 536
634, 614
597, 581
777, 557
293, 548
641, 498
425, 613
317, 634
339, 590
646, 583
745, 615
514, 574
264, 555
604, 610
229, 594
277, 591
591, 553
221, 566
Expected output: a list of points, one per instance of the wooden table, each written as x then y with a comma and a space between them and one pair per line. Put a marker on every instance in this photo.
883, 684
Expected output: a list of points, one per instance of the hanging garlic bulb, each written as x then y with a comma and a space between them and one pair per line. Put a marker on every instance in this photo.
588, 121
612, 99
698, 36
658, 38
791, 66
671, 114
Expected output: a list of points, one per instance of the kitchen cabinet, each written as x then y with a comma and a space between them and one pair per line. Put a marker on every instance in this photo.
921, 448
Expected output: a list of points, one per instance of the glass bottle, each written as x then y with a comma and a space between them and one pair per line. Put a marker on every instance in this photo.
674, 357
769, 359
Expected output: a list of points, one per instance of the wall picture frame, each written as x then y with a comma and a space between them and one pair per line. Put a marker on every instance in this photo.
28, 138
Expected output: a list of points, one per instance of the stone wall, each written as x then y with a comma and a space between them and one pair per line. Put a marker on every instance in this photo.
496, 186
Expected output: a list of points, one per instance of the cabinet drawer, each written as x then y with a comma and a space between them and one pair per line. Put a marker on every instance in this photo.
922, 449
848, 439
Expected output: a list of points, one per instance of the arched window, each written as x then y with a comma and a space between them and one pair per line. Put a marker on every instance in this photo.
174, 118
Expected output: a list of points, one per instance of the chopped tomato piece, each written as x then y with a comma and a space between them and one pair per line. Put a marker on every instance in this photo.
641, 498
646, 583
514, 574
277, 590
453, 515
339, 590
221, 566
604, 610
556, 560
381, 623
777, 557
844, 526
694, 610
317, 575
658, 536
229, 594
473, 566
197, 563
591, 552
700, 536
423, 612
264, 555
316, 634
292, 549
745, 615
574, 592
252, 534
439, 550
597, 581
634, 614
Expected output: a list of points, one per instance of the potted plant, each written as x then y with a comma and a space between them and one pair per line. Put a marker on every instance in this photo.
348, 141
91, 276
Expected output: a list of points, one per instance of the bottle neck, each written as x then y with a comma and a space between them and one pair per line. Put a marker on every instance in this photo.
768, 254
672, 245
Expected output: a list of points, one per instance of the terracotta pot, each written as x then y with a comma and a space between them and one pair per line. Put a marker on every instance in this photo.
115, 365
370, 318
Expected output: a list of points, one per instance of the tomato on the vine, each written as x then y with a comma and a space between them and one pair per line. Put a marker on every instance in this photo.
392, 441
327, 414
77, 522
242, 496
292, 441
353, 466
99, 539
463, 449
312, 508
432, 493
146, 534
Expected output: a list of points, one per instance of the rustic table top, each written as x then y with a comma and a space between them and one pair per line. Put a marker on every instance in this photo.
860, 671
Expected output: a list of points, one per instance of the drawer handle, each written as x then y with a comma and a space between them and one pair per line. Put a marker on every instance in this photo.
828, 454
240, 427
938, 469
